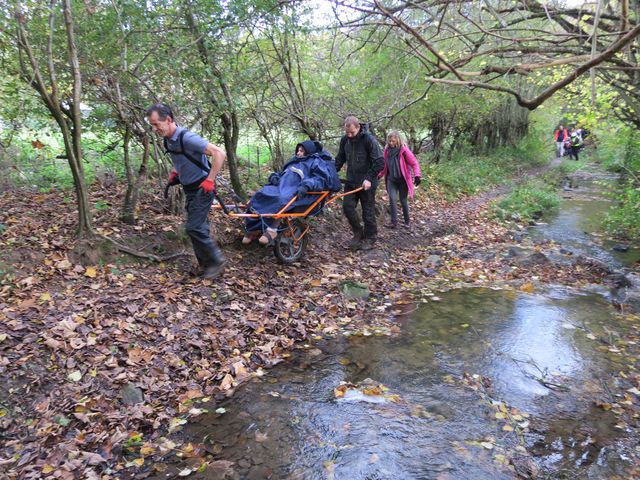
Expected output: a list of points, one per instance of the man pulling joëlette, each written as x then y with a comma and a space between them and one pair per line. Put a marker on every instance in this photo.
191, 168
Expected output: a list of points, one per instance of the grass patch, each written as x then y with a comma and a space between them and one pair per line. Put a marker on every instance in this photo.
624, 220
527, 202
467, 174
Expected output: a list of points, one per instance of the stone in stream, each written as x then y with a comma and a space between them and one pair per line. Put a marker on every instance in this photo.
620, 248
533, 259
618, 280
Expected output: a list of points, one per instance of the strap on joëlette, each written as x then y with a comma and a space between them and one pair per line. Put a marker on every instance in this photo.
198, 163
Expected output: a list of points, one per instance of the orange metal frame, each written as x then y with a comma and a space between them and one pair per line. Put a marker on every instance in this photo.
282, 213
288, 217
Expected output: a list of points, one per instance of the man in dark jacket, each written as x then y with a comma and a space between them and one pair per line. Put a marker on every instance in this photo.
363, 156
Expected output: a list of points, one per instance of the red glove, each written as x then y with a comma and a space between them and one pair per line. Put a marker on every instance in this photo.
208, 185
172, 176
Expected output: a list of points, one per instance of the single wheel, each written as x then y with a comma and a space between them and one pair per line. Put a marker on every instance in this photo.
286, 248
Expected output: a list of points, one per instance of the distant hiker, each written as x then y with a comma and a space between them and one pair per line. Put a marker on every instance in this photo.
363, 156
576, 144
560, 136
191, 168
400, 165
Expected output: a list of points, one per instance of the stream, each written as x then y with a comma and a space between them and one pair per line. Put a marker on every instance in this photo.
480, 384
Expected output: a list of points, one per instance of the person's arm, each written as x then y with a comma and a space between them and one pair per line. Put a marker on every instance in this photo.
218, 156
412, 161
341, 157
377, 162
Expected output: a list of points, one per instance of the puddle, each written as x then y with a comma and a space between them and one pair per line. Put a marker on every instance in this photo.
536, 354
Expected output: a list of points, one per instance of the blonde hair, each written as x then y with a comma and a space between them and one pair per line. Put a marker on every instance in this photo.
398, 136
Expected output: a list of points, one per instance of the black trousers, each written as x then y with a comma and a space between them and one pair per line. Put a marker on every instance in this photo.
367, 199
398, 190
573, 153
198, 205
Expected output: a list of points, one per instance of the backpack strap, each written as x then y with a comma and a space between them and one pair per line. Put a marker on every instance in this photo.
188, 156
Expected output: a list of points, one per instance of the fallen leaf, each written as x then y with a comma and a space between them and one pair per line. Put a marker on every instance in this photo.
91, 272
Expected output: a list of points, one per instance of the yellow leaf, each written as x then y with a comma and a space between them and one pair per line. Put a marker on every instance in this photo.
139, 461
45, 297
527, 288
47, 469
91, 272
507, 428
501, 415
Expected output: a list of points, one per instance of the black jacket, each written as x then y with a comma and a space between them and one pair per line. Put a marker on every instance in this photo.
363, 157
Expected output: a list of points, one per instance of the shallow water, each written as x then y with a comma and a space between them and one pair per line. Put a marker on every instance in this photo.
577, 223
535, 349
458, 364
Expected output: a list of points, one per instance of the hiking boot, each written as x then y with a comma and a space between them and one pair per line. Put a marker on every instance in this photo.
391, 225
356, 242
213, 271
368, 244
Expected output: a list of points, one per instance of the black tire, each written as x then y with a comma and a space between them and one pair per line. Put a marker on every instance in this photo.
286, 250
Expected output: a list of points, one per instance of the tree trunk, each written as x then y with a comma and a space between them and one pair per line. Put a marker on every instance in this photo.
67, 114
227, 113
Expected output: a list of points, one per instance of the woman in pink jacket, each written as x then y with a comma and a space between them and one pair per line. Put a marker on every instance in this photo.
400, 165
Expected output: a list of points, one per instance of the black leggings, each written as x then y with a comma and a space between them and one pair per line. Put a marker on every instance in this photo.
398, 190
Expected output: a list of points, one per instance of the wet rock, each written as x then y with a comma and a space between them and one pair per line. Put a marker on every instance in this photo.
259, 473
429, 272
435, 260
355, 290
618, 280
593, 264
525, 467
514, 252
564, 251
131, 395
627, 300
533, 259
620, 248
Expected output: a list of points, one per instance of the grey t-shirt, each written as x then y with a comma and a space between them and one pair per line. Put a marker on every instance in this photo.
195, 145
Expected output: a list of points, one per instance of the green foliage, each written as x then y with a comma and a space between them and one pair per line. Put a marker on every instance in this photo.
467, 174
619, 151
526, 202
624, 219
102, 205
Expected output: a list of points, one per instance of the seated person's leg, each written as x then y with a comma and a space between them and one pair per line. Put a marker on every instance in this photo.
270, 233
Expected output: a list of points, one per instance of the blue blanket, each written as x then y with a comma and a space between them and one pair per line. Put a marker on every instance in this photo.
316, 172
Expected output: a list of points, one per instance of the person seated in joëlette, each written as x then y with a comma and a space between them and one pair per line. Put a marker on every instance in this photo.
311, 169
